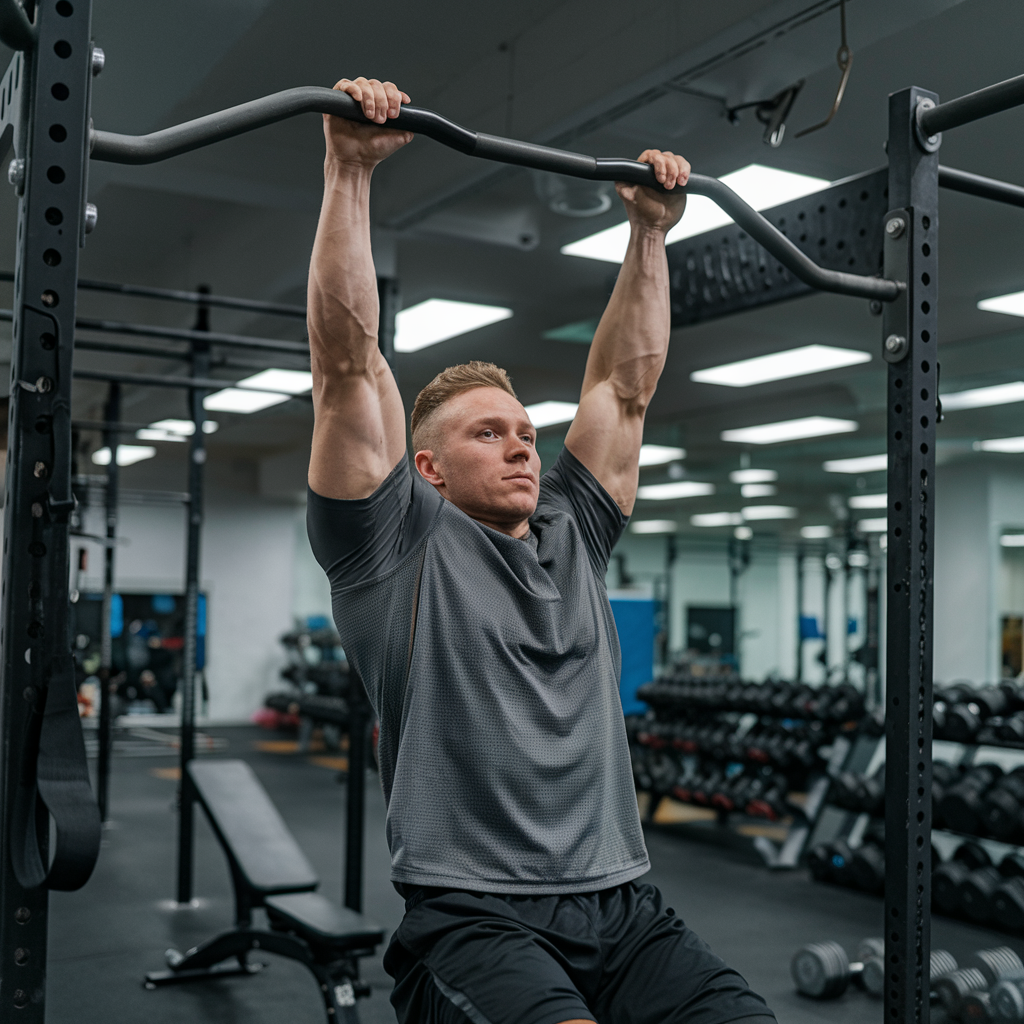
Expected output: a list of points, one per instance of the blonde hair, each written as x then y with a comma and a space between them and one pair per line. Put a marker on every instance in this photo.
446, 385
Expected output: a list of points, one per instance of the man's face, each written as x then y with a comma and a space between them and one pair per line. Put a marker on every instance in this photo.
487, 464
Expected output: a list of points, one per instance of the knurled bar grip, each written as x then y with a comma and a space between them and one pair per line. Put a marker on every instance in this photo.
182, 138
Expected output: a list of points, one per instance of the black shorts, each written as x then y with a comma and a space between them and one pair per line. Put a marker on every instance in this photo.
618, 956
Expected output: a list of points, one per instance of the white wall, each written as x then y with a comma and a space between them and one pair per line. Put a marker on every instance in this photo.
975, 502
247, 572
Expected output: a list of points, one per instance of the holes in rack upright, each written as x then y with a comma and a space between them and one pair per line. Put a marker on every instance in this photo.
62, 48
53, 215
55, 174
57, 132
51, 258
65, 9
59, 91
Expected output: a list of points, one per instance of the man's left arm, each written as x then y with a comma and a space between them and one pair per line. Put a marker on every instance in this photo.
630, 345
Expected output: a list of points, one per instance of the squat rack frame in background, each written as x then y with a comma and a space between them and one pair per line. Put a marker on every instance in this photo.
47, 86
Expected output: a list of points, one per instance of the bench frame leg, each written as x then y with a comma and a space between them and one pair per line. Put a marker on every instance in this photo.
337, 980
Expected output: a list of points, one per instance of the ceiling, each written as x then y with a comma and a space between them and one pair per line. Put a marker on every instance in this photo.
592, 75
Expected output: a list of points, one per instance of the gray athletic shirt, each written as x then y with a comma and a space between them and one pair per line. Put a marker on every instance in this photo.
493, 665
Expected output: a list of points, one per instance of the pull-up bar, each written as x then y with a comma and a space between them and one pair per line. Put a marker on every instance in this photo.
972, 107
183, 138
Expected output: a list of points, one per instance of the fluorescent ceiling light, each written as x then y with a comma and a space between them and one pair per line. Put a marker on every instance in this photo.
436, 320
677, 489
716, 519
174, 430
779, 365
659, 454
761, 187
1012, 304
873, 525
816, 532
653, 526
743, 533
547, 414
976, 398
753, 476
186, 428
1008, 445
151, 434
236, 400
1012, 540
288, 382
789, 430
758, 490
863, 464
869, 501
127, 454
769, 512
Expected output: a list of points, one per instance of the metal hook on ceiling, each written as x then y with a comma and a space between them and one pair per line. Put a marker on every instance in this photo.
844, 58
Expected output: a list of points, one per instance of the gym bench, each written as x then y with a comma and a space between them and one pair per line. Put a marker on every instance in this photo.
269, 870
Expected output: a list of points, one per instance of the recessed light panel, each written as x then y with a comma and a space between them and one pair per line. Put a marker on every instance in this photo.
816, 532
127, 454
236, 400
436, 320
758, 490
288, 382
752, 512
547, 414
653, 526
795, 362
759, 186
1012, 540
659, 454
676, 489
753, 476
869, 501
873, 525
789, 430
1007, 445
1013, 304
977, 398
716, 519
862, 464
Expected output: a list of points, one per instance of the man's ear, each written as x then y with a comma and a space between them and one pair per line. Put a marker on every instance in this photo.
427, 465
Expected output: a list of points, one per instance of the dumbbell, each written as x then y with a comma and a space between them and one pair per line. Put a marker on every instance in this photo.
1003, 809
977, 892
960, 992
831, 862
822, 970
962, 806
1006, 999
948, 879
1011, 728
867, 868
943, 776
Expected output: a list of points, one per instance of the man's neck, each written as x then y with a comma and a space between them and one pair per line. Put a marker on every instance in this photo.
520, 530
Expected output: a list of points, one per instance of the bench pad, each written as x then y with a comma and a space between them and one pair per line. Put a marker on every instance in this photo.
322, 922
250, 829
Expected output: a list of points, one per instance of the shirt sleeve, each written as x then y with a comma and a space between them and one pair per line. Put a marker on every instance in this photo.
361, 539
570, 487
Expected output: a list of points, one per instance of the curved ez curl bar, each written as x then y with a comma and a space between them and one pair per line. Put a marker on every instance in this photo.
183, 138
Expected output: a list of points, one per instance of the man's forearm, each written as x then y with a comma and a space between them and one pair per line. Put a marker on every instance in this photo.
631, 341
343, 308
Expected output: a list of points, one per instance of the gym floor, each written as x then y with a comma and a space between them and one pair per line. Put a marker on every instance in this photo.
104, 938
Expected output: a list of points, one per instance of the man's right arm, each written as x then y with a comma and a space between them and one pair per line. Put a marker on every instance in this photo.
359, 421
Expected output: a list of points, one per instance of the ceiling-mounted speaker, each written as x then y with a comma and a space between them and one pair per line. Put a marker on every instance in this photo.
573, 197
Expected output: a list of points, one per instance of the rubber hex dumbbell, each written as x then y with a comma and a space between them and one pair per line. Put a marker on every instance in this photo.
1008, 904
953, 988
1003, 811
977, 892
1011, 728
822, 970
997, 964
962, 805
867, 868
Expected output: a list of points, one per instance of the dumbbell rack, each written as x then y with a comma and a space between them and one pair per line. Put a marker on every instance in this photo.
735, 827
867, 754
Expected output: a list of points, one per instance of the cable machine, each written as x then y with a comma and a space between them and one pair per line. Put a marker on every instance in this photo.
45, 118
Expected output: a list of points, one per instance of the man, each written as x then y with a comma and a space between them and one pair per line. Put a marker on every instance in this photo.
470, 598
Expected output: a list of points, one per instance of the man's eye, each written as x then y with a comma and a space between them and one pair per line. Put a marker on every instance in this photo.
487, 433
